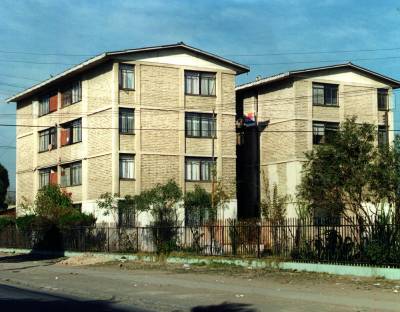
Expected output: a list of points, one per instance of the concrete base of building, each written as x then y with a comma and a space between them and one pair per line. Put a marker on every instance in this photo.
229, 211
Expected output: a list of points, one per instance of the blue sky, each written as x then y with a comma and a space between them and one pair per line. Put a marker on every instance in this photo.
271, 29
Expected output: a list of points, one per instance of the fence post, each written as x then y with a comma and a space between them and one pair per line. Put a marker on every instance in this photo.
234, 244
108, 239
258, 239
212, 238
319, 238
137, 239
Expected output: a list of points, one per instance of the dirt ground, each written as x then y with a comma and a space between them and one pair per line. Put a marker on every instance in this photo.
162, 287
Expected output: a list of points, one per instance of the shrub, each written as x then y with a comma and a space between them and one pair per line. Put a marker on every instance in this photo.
26, 222
76, 218
6, 222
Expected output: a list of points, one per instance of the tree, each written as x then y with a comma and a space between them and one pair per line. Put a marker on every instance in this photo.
52, 207
4, 184
117, 207
162, 202
351, 176
52, 203
273, 206
198, 206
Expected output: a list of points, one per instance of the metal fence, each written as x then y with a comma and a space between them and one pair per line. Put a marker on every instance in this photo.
338, 241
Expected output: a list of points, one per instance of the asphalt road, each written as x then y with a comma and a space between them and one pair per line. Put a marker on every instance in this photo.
21, 299
30, 284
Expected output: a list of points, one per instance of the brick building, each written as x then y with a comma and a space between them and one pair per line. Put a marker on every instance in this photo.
290, 112
123, 121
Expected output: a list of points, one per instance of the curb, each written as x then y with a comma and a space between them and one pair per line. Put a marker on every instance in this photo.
336, 269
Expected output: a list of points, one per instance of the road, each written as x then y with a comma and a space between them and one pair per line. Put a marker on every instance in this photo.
28, 282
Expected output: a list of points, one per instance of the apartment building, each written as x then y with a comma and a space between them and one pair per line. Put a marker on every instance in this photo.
285, 115
123, 121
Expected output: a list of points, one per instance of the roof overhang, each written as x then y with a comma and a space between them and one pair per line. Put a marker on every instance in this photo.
102, 58
296, 73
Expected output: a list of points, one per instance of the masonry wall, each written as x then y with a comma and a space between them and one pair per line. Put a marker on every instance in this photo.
289, 109
158, 144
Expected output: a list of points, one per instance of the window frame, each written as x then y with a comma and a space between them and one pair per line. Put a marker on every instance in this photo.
383, 129
211, 120
332, 126
71, 90
123, 67
201, 76
41, 101
383, 92
70, 126
71, 166
202, 161
47, 171
126, 157
52, 133
123, 112
325, 87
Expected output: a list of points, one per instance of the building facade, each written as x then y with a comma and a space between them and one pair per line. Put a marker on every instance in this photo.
287, 114
124, 121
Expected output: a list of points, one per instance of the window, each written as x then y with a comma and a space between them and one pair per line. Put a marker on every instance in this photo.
47, 176
126, 214
325, 94
48, 104
382, 136
71, 132
47, 139
127, 76
199, 83
323, 132
126, 121
199, 169
72, 94
71, 174
44, 105
200, 125
77, 207
126, 166
382, 99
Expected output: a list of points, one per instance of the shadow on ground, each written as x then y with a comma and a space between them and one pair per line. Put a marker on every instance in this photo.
17, 299
225, 307
34, 256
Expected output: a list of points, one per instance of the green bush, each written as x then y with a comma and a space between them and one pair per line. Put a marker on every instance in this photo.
76, 218
6, 221
26, 222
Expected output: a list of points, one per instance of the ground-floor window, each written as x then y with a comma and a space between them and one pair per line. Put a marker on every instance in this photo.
199, 169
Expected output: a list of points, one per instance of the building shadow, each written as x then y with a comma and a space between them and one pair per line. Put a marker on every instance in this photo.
225, 307
47, 246
32, 256
17, 299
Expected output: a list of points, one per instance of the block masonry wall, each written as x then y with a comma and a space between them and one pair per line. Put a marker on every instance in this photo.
160, 148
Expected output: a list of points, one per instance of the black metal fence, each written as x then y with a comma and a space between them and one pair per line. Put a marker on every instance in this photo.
339, 241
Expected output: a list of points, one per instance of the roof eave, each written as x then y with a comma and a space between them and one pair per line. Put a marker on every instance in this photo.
238, 68
395, 84
35, 88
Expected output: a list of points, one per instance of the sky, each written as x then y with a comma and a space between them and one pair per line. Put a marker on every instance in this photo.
270, 36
